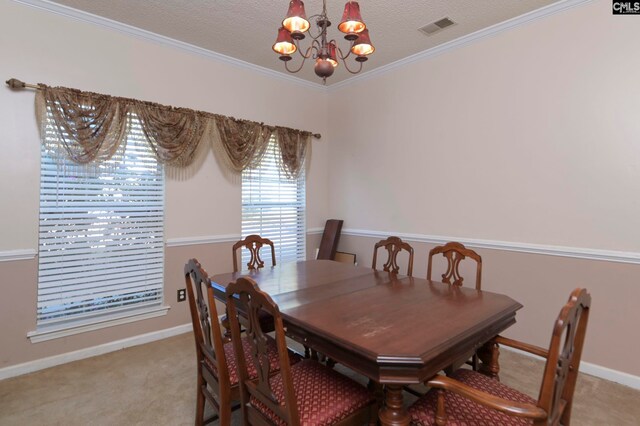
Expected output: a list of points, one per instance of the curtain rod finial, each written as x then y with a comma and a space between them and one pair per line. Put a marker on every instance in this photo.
14, 83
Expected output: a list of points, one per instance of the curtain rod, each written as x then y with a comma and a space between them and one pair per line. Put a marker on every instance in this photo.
16, 84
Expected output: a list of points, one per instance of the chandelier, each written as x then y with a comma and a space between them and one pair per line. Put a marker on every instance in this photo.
326, 53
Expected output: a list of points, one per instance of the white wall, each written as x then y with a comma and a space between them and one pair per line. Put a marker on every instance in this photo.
39, 46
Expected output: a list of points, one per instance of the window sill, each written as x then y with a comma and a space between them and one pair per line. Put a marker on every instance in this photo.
56, 332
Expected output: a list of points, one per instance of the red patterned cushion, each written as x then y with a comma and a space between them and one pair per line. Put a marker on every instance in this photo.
464, 412
323, 395
272, 353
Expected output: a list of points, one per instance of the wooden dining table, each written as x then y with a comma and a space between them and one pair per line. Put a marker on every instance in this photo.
395, 330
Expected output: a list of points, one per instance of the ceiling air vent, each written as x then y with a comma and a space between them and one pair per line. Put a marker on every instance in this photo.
436, 26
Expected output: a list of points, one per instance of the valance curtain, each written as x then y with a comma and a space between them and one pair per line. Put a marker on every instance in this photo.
91, 128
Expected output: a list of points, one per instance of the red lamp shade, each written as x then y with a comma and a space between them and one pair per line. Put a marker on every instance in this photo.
296, 19
284, 44
333, 56
362, 45
351, 20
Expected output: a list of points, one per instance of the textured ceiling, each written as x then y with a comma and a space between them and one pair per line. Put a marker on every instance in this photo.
246, 29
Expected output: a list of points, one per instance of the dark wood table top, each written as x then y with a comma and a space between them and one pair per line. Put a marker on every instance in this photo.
392, 329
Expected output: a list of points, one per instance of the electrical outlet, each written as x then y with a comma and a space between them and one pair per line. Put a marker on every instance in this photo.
182, 294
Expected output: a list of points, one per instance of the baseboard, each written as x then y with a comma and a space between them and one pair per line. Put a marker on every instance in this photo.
29, 367
41, 364
594, 370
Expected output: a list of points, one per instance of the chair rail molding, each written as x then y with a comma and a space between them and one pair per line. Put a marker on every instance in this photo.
550, 250
20, 254
206, 239
213, 239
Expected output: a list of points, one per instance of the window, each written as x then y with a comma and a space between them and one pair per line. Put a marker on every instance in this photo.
274, 207
101, 253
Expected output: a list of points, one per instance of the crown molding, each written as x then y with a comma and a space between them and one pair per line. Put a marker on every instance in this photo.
549, 250
90, 18
21, 254
461, 41
100, 21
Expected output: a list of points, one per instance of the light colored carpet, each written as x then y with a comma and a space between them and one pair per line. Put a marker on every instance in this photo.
154, 384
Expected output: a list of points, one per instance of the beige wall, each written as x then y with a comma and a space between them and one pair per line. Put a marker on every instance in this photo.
542, 284
38, 46
529, 136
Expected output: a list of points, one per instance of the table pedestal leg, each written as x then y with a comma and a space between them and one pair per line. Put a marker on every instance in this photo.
393, 412
489, 354
226, 325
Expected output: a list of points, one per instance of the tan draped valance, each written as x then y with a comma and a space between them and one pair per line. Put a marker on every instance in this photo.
92, 128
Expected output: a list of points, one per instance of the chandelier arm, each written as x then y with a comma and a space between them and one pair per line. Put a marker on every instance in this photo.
293, 71
307, 53
343, 57
310, 32
306, 56
346, 66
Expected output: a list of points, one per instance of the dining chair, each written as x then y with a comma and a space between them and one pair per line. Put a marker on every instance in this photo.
393, 245
469, 397
307, 392
218, 379
455, 253
253, 243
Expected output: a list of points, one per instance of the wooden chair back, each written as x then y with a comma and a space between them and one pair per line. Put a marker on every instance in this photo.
245, 292
565, 351
454, 253
555, 400
253, 243
213, 374
393, 245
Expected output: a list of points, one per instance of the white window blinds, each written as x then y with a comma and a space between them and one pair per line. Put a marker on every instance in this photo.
101, 235
274, 207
